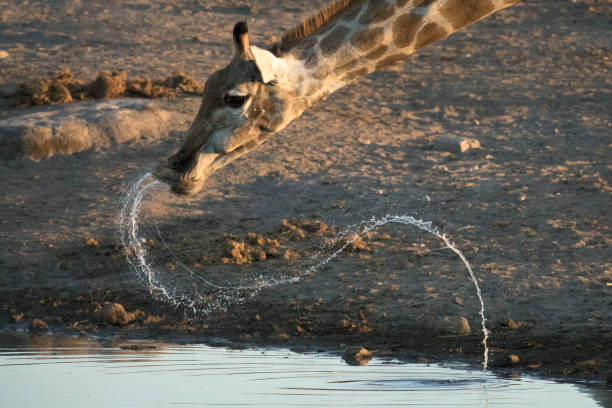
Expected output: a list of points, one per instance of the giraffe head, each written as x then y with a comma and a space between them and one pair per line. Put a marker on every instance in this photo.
242, 105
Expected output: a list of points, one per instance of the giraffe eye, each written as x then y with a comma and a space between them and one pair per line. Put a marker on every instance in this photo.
235, 101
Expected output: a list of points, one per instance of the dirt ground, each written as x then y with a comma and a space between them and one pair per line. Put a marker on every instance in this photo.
531, 209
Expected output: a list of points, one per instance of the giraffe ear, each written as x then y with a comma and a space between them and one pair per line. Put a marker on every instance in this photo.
241, 38
270, 67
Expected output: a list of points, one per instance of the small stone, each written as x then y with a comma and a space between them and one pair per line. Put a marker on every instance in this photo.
4, 54
114, 313
509, 324
38, 326
290, 255
357, 245
455, 144
339, 204
16, 317
92, 242
357, 356
458, 300
456, 325
505, 360
314, 227
255, 239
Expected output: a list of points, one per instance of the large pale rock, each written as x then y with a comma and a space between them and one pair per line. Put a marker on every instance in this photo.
71, 128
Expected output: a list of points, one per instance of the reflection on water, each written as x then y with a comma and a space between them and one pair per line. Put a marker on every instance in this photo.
47, 371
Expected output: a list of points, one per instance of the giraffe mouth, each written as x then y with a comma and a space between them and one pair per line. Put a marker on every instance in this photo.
186, 174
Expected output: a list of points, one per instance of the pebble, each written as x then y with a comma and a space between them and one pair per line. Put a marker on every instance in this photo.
92, 242
4, 54
505, 360
456, 325
38, 326
114, 313
455, 144
509, 324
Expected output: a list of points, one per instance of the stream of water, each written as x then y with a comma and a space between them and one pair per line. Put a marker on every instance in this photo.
137, 257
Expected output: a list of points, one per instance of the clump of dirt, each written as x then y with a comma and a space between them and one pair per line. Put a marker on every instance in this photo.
108, 85
289, 241
62, 87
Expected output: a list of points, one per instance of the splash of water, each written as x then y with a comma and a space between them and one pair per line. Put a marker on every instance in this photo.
136, 253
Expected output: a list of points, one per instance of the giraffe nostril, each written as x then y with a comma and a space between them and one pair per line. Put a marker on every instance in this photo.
181, 161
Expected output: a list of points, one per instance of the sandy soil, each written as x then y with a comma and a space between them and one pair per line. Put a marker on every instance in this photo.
531, 209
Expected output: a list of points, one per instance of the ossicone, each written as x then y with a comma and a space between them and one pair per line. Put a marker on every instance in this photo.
241, 37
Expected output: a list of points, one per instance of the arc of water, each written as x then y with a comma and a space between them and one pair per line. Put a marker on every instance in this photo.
128, 229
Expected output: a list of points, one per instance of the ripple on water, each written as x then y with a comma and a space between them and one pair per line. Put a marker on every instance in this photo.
81, 372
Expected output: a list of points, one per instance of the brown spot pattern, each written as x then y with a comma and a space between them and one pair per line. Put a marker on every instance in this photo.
377, 12
312, 61
312, 89
377, 53
334, 40
346, 67
355, 74
306, 48
367, 39
463, 12
429, 33
322, 72
344, 57
422, 3
351, 14
390, 60
405, 28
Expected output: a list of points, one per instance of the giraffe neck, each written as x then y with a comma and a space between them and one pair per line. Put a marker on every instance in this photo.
369, 35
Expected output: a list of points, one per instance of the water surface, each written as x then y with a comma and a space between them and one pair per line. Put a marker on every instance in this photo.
48, 371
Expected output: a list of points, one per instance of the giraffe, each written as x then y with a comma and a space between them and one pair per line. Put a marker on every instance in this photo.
262, 90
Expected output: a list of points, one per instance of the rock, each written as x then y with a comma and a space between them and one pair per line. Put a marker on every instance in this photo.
456, 325
455, 144
340, 204
108, 85
4, 54
505, 360
255, 239
16, 317
114, 313
357, 356
92, 242
38, 326
509, 324
235, 252
357, 245
290, 255
314, 227
69, 129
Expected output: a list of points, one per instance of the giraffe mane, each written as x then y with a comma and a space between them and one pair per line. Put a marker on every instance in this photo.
320, 20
